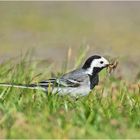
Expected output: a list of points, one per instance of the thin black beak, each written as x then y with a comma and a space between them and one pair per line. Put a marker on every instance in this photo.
106, 65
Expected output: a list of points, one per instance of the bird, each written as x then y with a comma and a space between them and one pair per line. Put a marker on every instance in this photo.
78, 82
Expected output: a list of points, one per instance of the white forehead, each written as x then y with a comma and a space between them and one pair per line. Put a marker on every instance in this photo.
100, 63
97, 62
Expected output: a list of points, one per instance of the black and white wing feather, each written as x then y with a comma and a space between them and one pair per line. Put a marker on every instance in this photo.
58, 83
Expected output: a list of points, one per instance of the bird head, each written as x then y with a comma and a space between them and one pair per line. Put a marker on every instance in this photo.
95, 64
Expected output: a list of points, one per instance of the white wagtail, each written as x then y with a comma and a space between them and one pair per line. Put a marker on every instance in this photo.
78, 82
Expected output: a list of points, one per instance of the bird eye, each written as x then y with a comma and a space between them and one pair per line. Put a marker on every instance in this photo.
101, 62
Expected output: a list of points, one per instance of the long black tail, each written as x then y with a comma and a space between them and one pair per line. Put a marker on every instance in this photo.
30, 86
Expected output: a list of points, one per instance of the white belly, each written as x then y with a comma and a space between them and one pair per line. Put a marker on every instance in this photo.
72, 91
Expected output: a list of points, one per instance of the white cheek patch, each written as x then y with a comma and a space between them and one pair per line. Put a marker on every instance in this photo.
96, 63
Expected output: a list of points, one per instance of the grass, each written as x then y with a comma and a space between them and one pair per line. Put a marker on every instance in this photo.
112, 110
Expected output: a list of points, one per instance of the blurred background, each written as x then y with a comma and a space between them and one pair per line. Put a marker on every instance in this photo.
51, 28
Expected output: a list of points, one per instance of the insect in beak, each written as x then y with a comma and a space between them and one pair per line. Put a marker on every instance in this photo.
112, 66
